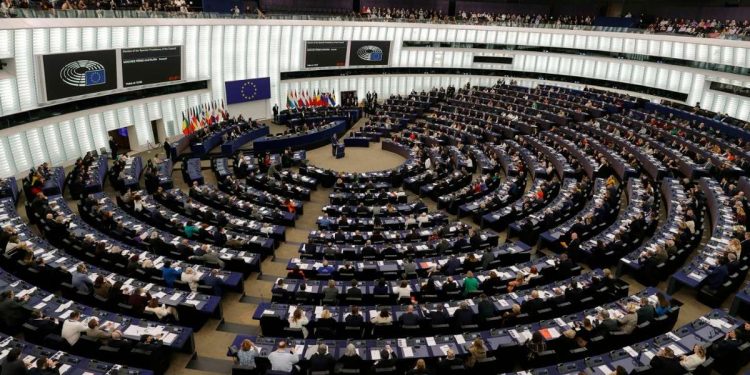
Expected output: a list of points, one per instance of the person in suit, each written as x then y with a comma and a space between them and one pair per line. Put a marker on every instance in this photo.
44, 366
533, 304
220, 237
409, 318
666, 363
387, 358
80, 279
439, 315
718, 276
14, 365
450, 267
322, 360
464, 315
350, 360
381, 288
275, 113
630, 320
445, 366
646, 312
487, 257
12, 311
139, 300
354, 319
449, 285
354, 289
43, 324
606, 324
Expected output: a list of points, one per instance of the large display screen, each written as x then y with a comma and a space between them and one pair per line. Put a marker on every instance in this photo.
319, 54
147, 65
369, 52
79, 73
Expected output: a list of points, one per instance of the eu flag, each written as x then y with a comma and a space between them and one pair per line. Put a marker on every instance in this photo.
247, 90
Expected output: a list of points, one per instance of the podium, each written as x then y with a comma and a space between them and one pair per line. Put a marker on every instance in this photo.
337, 149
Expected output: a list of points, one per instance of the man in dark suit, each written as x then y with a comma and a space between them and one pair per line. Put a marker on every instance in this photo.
44, 326
354, 319
339, 236
354, 289
322, 360
12, 311
449, 285
439, 316
565, 265
485, 308
666, 363
718, 276
606, 324
450, 267
464, 315
220, 237
409, 318
445, 367
646, 312
533, 304
368, 250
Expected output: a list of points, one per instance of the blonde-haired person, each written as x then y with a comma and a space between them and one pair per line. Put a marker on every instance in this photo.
691, 362
630, 320
191, 278
299, 320
477, 351
420, 368
325, 324
351, 359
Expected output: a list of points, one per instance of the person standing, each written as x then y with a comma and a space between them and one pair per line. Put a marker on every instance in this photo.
276, 113
113, 148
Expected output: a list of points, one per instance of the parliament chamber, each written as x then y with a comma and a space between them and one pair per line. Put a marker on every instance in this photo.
374, 187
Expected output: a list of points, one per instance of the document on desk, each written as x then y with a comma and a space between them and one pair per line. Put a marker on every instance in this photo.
431, 341
299, 349
445, 349
63, 369
631, 352
169, 338
604, 369
375, 354
408, 351
460, 339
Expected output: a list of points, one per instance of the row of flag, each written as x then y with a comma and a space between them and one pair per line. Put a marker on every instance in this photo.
303, 99
203, 115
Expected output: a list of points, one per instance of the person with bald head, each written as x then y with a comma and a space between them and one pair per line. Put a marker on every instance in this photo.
283, 359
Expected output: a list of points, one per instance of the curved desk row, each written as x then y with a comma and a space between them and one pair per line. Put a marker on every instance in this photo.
230, 147
305, 141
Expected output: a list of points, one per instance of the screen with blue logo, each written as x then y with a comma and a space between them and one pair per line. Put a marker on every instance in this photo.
80, 73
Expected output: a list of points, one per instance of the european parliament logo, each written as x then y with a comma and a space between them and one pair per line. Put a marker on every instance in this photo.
83, 73
370, 53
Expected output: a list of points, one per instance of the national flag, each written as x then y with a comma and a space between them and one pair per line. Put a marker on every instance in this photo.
300, 100
185, 125
247, 90
290, 102
332, 100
